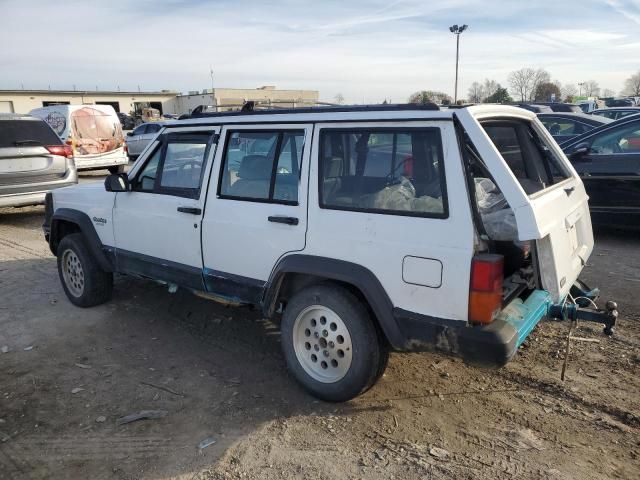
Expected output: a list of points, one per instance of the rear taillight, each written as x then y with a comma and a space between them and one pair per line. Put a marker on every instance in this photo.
62, 150
485, 292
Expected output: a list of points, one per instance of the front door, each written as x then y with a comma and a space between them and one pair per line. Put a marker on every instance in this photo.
610, 171
256, 208
157, 223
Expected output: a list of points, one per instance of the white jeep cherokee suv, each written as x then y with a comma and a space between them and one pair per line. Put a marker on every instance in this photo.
365, 228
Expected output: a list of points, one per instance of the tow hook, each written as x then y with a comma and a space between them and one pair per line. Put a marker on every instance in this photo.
572, 311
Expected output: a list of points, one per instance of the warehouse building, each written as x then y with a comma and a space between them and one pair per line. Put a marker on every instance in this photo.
166, 101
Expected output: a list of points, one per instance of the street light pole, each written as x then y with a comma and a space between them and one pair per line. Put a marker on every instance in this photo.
457, 30
580, 84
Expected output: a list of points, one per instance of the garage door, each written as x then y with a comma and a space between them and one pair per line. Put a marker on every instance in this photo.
6, 106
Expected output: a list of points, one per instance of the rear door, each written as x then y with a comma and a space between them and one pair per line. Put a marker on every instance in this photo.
547, 196
23, 156
256, 207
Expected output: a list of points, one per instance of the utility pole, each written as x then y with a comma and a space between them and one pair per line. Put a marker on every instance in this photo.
213, 100
457, 31
580, 84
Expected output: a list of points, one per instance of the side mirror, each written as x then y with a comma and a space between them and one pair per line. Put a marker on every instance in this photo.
579, 151
129, 134
118, 182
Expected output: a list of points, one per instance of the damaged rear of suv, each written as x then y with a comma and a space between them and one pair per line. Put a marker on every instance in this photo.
362, 229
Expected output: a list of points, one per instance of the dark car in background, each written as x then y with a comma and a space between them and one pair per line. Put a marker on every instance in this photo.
616, 113
127, 121
608, 161
565, 126
33, 161
562, 107
534, 107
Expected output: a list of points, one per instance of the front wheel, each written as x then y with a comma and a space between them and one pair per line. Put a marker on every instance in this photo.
116, 169
330, 343
84, 282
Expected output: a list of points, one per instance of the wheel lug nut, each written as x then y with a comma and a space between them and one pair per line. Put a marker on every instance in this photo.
326, 353
316, 334
325, 333
331, 344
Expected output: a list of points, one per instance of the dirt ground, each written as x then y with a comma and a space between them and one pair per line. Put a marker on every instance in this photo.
69, 374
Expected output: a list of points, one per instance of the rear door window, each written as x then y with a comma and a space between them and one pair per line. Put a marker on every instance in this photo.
26, 133
392, 171
530, 158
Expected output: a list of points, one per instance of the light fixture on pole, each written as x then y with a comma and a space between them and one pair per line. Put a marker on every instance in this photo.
580, 84
457, 30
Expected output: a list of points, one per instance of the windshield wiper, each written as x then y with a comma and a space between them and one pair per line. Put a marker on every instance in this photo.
27, 142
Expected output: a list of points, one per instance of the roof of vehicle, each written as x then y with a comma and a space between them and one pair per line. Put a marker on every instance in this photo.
18, 116
348, 113
606, 109
591, 119
615, 124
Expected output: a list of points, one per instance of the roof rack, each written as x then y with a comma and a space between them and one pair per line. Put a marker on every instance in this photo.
249, 109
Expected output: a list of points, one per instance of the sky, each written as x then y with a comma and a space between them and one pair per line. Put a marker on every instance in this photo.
365, 50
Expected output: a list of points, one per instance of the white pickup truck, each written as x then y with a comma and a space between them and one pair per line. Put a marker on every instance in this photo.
363, 229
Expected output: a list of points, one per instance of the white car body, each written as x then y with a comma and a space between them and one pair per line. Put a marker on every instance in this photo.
422, 264
93, 131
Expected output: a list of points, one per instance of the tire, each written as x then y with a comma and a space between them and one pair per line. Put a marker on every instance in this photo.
83, 281
316, 323
116, 169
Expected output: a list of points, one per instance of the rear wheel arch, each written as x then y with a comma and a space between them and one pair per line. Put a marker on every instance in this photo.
297, 272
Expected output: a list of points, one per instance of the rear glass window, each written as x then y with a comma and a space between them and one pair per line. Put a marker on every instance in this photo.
527, 154
25, 133
393, 171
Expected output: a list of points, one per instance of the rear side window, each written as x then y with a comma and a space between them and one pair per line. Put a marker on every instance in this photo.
262, 166
25, 133
527, 154
391, 171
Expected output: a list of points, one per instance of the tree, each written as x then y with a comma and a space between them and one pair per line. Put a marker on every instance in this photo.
607, 92
568, 92
546, 91
591, 88
501, 95
476, 93
429, 96
632, 85
489, 87
339, 98
525, 81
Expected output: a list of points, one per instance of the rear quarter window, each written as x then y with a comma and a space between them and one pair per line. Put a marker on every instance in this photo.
14, 133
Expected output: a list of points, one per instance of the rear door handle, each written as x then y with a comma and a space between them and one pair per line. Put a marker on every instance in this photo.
191, 210
285, 220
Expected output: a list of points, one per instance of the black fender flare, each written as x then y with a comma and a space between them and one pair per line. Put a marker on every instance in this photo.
343, 271
82, 220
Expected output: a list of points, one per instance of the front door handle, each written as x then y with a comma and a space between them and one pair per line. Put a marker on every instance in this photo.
285, 220
191, 210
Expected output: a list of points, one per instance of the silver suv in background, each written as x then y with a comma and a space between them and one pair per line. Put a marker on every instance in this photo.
33, 161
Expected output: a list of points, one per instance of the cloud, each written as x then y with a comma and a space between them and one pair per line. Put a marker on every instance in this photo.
366, 50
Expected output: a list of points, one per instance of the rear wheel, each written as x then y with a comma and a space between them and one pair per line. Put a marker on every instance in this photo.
330, 343
84, 282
